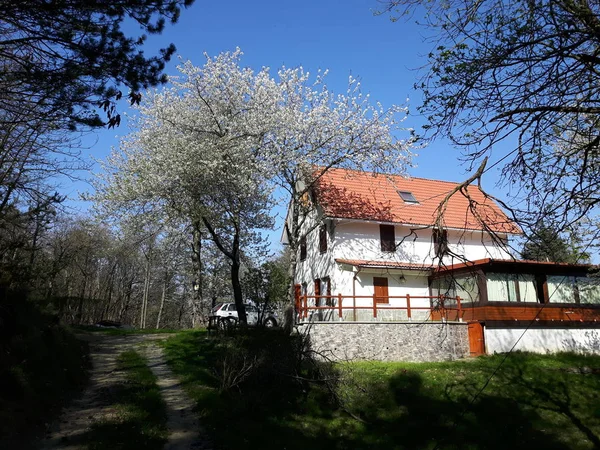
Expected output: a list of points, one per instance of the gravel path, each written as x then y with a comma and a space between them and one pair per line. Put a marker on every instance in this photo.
185, 431
95, 403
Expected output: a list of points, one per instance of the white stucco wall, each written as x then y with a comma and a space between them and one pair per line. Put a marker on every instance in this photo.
543, 340
361, 240
316, 265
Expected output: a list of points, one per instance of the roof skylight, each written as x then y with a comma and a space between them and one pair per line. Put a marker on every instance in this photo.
408, 197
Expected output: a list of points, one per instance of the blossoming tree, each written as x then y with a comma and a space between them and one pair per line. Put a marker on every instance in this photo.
213, 148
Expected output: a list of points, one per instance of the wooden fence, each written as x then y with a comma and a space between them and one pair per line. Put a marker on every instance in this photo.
440, 307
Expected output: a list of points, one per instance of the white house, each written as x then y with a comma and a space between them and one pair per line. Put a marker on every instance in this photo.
375, 249
376, 235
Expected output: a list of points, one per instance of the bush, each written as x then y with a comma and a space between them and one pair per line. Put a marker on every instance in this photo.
41, 364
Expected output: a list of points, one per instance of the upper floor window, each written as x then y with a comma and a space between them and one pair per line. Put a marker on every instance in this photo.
388, 238
323, 239
317, 292
440, 242
302, 248
408, 197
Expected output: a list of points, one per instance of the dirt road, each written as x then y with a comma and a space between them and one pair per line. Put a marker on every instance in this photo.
96, 402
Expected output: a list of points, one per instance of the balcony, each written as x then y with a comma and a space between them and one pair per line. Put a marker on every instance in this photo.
483, 291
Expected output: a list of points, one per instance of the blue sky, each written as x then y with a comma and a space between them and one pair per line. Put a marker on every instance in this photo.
342, 36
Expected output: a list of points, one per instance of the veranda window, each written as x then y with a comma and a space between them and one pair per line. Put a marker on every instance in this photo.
589, 290
501, 287
561, 289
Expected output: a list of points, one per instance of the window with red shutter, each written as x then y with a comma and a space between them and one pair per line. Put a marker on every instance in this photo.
317, 292
323, 239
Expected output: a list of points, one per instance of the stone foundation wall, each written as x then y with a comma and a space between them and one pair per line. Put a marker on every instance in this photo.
389, 341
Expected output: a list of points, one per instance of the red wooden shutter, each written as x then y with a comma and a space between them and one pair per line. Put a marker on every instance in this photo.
302, 248
317, 292
323, 239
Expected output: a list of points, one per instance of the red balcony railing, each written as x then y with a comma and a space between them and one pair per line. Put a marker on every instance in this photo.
331, 307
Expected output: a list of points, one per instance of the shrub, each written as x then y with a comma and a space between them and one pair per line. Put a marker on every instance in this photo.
41, 364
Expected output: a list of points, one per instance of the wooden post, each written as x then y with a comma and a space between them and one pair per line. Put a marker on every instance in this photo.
459, 307
408, 312
374, 307
442, 309
340, 304
305, 306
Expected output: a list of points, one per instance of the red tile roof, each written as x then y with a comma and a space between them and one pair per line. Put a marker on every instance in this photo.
367, 264
349, 194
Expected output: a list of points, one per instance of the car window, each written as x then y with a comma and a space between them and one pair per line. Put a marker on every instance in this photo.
217, 307
251, 308
232, 307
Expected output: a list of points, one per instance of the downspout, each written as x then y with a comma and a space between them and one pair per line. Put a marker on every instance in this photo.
354, 293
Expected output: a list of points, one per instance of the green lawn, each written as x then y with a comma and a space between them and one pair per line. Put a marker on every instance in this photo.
533, 401
140, 419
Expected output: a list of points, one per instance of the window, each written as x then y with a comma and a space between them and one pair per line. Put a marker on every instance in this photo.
388, 238
440, 242
323, 239
317, 292
463, 286
527, 288
408, 197
501, 287
302, 248
589, 290
511, 287
561, 289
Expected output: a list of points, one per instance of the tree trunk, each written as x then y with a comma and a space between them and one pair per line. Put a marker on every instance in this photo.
293, 237
125, 303
106, 311
79, 315
237, 292
197, 260
234, 256
162, 301
194, 311
145, 294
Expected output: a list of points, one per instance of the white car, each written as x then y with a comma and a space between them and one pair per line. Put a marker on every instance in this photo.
228, 312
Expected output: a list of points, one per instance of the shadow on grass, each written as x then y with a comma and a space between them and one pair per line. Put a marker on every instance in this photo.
405, 406
565, 394
140, 412
405, 414
42, 366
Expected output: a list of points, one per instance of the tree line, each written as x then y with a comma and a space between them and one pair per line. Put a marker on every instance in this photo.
209, 156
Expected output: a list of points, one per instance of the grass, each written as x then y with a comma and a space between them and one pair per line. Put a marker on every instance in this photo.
533, 401
140, 419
